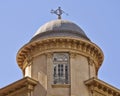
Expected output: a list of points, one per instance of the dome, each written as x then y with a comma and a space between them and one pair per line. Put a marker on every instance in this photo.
59, 27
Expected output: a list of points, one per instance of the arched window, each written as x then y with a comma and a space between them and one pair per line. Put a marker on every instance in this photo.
61, 68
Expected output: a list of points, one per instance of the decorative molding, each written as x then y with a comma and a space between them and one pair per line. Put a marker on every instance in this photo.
61, 85
90, 61
49, 55
29, 58
27, 62
72, 55
61, 44
100, 88
21, 86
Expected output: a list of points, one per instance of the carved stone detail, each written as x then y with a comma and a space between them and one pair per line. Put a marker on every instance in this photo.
72, 55
90, 61
100, 88
71, 45
49, 55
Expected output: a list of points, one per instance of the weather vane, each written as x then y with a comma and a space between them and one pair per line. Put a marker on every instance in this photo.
58, 12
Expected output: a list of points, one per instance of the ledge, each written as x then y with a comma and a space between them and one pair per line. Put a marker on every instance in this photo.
61, 85
94, 83
66, 44
25, 83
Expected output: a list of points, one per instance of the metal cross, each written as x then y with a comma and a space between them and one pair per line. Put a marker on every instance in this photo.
58, 12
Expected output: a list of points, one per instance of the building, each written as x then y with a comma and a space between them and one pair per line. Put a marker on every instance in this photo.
60, 60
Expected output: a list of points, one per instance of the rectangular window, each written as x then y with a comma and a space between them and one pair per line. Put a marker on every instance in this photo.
61, 68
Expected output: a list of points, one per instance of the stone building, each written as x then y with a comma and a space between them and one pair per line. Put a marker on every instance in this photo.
60, 60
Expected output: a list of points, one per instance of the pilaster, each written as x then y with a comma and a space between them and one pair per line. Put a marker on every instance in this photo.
49, 57
72, 74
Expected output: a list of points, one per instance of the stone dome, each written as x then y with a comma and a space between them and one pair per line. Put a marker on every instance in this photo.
59, 28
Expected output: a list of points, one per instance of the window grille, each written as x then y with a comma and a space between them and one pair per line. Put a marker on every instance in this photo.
61, 68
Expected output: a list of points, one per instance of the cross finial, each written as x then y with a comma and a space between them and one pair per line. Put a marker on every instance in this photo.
58, 12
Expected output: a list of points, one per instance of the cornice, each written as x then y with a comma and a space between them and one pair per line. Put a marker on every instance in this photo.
67, 44
95, 84
25, 84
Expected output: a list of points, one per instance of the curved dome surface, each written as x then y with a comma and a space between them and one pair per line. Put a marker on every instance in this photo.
58, 28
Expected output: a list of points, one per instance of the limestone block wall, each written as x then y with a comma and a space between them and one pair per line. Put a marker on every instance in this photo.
79, 73
39, 69
39, 73
42, 71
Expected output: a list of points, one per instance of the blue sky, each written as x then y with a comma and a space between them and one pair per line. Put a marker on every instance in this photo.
20, 19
